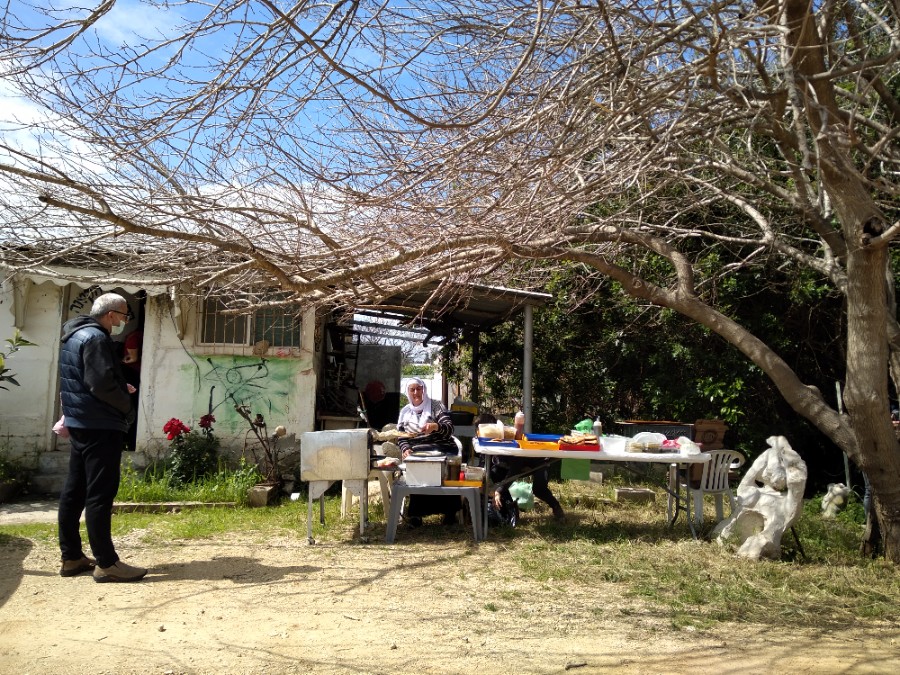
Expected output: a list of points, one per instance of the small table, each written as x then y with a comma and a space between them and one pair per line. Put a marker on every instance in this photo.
401, 490
677, 502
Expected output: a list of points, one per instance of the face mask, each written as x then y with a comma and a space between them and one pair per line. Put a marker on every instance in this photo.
118, 328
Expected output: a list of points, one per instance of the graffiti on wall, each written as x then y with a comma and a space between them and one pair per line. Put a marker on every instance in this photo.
82, 303
262, 384
84, 300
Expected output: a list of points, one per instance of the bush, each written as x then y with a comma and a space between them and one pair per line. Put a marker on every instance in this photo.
194, 456
11, 469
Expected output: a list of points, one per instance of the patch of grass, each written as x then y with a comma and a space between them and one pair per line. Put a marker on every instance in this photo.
156, 484
41, 532
626, 548
698, 583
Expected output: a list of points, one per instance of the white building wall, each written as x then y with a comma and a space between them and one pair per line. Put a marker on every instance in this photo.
184, 380
179, 378
27, 412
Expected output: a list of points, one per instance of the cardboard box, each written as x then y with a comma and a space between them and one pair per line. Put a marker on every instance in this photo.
710, 434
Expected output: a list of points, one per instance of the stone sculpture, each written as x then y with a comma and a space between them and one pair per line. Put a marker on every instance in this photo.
765, 511
834, 500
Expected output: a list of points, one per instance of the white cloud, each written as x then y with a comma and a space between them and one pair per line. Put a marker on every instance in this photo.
131, 23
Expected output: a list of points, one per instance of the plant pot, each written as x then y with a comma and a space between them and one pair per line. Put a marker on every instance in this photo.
264, 494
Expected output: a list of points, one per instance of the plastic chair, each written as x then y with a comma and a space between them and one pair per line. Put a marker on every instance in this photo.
714, 481
385, 480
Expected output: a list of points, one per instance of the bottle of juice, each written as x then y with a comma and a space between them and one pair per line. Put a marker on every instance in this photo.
520, 425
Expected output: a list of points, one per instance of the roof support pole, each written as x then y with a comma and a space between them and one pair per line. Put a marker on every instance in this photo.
475, 390
445, 376
526, 366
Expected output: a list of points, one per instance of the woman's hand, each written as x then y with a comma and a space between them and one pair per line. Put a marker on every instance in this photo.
430, 428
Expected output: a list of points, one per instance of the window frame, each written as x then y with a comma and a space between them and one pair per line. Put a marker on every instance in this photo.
283, 324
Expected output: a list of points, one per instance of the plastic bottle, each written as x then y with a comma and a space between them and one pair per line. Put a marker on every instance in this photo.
598, 427
520, 425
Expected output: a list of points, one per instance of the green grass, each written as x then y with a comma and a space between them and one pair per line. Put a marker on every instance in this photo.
699, 583
155, 484
626, 548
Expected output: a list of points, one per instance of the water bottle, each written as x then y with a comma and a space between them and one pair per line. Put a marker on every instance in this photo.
598, 428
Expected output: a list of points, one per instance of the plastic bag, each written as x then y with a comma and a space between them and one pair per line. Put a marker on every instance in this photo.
60, 428
507, 514
687, 447
585, 426
522, 494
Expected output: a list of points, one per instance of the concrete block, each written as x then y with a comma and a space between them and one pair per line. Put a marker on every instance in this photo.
639, 495
263, 495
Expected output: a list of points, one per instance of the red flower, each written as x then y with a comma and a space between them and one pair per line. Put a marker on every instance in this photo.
174, 428
206, 421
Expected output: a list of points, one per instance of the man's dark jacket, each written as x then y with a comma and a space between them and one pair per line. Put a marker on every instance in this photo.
92, 387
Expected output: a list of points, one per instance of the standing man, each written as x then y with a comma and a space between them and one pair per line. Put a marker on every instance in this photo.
96, 404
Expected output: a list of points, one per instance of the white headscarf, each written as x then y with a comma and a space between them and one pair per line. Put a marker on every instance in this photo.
416, 415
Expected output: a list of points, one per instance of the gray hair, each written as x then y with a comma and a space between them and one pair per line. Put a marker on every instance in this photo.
107, 303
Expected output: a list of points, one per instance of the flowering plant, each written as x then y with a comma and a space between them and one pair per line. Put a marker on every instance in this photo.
174, 428
194, 455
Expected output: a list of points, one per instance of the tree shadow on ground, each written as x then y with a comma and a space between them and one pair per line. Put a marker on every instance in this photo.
13, 552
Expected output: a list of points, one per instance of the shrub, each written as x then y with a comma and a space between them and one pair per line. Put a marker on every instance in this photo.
194, 455
11, 469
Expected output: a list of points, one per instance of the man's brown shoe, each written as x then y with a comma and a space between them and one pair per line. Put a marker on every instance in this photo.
71, 568
119, 572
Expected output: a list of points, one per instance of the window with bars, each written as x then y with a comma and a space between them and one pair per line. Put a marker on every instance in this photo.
275, 325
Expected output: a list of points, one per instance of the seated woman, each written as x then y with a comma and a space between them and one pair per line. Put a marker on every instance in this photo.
433, 429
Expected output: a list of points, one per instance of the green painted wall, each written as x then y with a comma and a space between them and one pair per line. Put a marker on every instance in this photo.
221, 382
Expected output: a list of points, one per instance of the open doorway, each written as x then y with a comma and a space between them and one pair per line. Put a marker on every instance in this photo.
131, 345
128, 345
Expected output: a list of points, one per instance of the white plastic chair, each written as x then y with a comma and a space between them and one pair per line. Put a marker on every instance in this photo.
714, 481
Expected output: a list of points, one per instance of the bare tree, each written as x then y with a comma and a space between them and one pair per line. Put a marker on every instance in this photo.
349, 150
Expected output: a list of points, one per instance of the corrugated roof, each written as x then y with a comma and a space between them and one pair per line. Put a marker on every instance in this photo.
446, 310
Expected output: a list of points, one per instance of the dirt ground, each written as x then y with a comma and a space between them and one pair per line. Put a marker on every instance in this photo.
251, 604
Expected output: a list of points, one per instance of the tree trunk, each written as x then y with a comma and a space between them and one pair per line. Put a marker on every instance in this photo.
866, 392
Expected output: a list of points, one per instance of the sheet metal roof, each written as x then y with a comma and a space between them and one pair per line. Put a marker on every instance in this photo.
446, 310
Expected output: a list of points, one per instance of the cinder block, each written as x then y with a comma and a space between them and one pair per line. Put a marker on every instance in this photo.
639, 495
263, 495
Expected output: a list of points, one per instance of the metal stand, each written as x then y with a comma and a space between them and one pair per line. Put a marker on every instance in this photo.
317, 489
